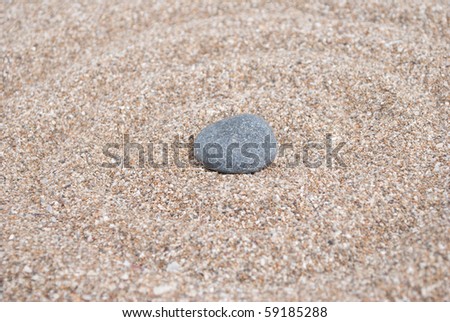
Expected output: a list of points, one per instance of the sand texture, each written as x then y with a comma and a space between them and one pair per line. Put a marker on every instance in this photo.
369, 74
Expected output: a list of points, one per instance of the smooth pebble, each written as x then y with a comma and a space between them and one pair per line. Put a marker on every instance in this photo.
239, 144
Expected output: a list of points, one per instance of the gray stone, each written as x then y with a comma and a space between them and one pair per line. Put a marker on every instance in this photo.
240, 144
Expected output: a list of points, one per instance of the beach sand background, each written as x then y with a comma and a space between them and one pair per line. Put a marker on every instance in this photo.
78, 76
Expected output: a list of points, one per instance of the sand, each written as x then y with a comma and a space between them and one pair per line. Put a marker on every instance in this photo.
76, 77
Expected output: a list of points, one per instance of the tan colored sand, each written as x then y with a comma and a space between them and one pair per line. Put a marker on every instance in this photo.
78, 76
